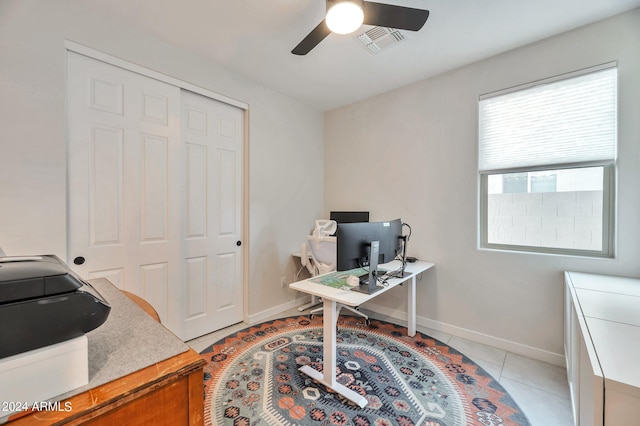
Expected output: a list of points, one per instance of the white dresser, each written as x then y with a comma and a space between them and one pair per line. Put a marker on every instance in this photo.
602, 348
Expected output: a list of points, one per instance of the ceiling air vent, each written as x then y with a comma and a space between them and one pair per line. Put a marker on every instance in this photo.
377, 39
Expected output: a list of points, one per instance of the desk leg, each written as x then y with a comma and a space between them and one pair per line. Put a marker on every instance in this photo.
329, 350
411, 307
328, 376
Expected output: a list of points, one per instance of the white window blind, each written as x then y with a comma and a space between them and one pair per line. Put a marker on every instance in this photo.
565, 121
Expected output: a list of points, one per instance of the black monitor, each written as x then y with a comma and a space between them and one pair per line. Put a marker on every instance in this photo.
354, 246
349, 217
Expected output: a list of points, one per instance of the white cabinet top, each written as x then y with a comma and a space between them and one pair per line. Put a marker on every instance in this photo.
610, 306
611, 309
618, 349
606, 283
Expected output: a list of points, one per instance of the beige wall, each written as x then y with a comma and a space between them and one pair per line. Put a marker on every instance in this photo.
285, 147
412, 153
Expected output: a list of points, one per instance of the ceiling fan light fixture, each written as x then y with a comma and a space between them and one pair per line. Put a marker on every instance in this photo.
345, 16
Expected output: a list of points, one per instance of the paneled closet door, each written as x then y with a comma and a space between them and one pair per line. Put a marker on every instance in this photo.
124, 145
213, 141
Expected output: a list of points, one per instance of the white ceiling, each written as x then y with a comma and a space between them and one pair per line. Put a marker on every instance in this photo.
255, 38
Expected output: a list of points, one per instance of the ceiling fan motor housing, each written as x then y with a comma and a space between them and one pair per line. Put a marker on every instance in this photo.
344, 16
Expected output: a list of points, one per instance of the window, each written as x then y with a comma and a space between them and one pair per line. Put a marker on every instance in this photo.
547, 165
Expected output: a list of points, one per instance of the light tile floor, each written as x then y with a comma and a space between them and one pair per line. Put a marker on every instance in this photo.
539, 388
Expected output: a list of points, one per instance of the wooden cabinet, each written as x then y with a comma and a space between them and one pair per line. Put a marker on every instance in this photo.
168, 393
602, 348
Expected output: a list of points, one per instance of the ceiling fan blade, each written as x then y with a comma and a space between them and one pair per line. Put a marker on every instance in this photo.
391, 16
319, 33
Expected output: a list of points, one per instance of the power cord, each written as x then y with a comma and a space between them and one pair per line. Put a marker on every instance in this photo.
297, 276
408, 226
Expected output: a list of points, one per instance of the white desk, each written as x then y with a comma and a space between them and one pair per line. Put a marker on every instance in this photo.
331, 296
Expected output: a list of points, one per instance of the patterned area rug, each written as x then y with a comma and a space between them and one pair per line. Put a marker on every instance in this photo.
252, 378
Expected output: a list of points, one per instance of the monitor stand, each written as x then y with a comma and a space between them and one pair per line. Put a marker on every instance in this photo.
370, 286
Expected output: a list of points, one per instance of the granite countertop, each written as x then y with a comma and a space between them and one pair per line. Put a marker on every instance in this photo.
128, 341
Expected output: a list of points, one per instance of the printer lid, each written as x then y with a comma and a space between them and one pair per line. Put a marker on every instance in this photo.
28, 277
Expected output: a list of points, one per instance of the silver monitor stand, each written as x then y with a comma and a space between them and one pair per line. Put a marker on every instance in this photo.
371, 286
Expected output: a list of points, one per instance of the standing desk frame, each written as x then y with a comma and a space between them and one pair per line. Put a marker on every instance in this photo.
331, 297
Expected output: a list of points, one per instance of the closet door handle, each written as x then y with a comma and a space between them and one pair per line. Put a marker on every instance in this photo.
238, 243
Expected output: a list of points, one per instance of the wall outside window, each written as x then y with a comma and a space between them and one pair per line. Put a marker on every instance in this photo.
557, 209
571, 219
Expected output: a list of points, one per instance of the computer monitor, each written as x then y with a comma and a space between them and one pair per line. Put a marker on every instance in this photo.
349, 217
354, 247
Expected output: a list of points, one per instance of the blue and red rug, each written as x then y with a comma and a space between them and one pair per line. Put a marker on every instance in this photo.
252, 378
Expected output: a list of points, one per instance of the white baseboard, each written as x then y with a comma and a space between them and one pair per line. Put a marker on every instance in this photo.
269, 313
496, 342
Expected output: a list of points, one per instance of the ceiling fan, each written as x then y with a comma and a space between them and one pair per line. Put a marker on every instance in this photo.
346, 16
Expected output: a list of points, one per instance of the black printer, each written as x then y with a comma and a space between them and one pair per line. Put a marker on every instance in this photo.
43, 302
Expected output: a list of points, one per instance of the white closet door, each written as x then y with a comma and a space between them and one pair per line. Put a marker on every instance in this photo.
213, 140
124, 145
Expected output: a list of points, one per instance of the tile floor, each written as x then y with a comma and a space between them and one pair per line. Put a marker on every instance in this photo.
540, 389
